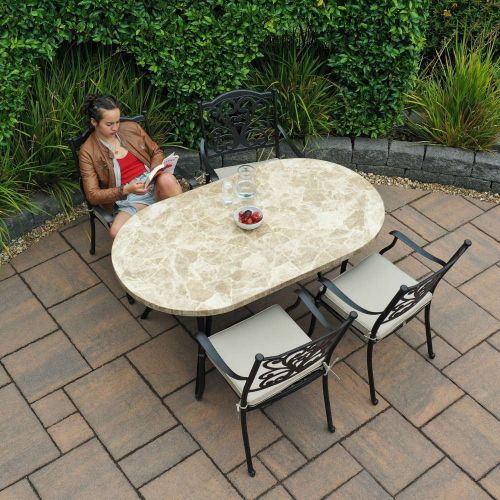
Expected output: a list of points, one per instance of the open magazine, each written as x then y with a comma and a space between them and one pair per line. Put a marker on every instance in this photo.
167, 165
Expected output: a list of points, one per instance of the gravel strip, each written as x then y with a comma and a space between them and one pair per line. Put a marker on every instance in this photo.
428, 186
60, 220
15, 247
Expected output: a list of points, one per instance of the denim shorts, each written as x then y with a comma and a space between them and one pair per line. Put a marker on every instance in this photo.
145, 199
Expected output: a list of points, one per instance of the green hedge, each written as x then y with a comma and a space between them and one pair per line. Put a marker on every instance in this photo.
199, 48
448, 17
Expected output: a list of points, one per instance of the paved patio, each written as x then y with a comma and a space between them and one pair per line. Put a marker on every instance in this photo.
96, 403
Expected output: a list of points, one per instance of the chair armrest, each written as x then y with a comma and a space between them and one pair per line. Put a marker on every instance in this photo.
180, 172
296, 150
400, 236
342, 296
214, 356
308, 300
206, 164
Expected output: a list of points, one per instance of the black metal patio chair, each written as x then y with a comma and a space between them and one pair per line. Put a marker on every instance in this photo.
267, 357
238, 121
385, 297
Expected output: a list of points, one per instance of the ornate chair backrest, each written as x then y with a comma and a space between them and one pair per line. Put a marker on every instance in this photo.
269, 371
239, 120
408, 297
75, 143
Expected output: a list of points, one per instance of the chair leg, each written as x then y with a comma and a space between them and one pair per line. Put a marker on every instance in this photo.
430, 351
145, 313
200, 374
246, 442
312, 325
289, 309
370, 372
343, 266
130, 299
328, 409
92, 233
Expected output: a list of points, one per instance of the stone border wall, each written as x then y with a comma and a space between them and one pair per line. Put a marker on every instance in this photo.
424, 163
479, 171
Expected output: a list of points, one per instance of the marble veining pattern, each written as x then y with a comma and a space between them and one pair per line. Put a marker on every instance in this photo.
186, 256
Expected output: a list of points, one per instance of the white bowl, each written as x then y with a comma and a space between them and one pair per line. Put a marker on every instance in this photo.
247, 227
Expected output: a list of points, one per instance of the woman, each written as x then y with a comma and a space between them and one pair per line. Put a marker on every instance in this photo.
115, 160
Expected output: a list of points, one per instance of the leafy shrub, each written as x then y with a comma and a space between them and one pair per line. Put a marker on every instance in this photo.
195, 50
458, 102
15, 184
447, 18
305, 95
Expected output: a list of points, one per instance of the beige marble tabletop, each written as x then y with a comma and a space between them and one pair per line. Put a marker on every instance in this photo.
186, 256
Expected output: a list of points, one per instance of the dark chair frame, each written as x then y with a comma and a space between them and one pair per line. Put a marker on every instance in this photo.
227, 133
280, 368
95, 211
406, 298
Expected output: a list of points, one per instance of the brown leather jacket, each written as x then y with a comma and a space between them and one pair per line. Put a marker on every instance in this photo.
96, 163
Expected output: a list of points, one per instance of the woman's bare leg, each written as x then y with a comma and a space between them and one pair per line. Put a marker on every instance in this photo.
166, 186
121, 218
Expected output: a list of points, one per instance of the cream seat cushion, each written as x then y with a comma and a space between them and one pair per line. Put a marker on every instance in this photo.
372, 284
270, 332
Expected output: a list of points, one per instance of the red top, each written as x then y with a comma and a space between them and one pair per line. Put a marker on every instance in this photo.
130, 167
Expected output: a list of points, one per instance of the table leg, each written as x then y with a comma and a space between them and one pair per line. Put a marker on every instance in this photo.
205, 326
145, 313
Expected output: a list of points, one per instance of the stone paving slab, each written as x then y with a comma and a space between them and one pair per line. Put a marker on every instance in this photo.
22, 318
469, 435
478, 373
4, 377
447, 211
78, 236
87, 470
6, 270
484, 253
53, 408
48, 247
159, 455
45, 365
19, 491
484, 289
392, 450
194, 478
68, 274
25, 444
70, 432
97, 403
167, 361
323, 474
120, 407
406, 380
459, 320
98, 325
491, 482
444, 480
360, 486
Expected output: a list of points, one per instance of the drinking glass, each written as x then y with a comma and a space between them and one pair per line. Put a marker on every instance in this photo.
227, 192
245, 184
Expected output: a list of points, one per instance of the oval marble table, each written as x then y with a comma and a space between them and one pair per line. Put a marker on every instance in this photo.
186, 256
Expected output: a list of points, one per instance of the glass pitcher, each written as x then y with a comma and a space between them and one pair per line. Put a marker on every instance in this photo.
245, 183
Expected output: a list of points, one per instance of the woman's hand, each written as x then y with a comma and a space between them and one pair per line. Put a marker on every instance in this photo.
135, 187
